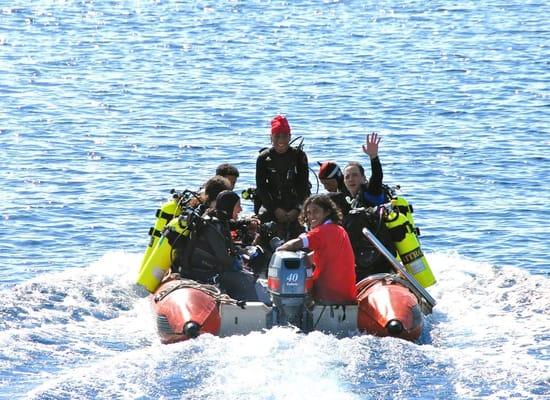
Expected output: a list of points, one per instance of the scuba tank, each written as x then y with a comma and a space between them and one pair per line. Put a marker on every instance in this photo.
171, 209
164, 214
405, 208
406, 242
160, 259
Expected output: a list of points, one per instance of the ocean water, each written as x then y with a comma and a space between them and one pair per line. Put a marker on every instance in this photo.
107, 105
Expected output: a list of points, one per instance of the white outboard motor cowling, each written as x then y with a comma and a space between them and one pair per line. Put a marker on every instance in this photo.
289, 282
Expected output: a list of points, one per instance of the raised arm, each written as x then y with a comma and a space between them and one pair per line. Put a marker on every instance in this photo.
371, 145
371, 149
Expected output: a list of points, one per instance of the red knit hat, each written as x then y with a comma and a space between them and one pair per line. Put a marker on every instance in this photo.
280, 126
329, 170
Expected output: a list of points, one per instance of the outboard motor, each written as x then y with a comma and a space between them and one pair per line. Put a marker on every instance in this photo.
289, 283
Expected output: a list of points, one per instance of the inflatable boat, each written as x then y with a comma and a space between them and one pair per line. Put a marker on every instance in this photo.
387, 305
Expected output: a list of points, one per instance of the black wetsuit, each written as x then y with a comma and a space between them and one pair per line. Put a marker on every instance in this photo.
282, 180
363, 213
211, 257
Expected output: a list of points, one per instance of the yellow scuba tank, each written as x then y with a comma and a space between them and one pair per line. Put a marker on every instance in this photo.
160, 259
405, 208
406, 242
164, 214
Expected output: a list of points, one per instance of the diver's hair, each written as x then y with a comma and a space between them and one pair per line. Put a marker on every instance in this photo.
326, 203
356, 164
215, 186
227, 170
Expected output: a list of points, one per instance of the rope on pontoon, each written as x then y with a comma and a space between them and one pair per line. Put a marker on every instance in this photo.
210, 290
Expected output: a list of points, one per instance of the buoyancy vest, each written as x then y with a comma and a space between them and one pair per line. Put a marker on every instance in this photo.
209, 251
368, 260
365, 198
282, 183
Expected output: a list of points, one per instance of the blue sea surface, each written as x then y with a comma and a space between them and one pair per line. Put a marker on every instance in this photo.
107, 105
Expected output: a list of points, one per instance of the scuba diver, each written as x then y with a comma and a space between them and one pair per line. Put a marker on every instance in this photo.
332, 179
209, 254
210, 191
366, 195
282, 180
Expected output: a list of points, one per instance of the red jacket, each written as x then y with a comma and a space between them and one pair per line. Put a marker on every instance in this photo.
334, 274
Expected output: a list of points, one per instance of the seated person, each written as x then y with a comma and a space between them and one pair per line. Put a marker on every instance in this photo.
332, 178
282, 180
212, 188
210, 255
334, 273
366, 193
210, 191
230, 172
